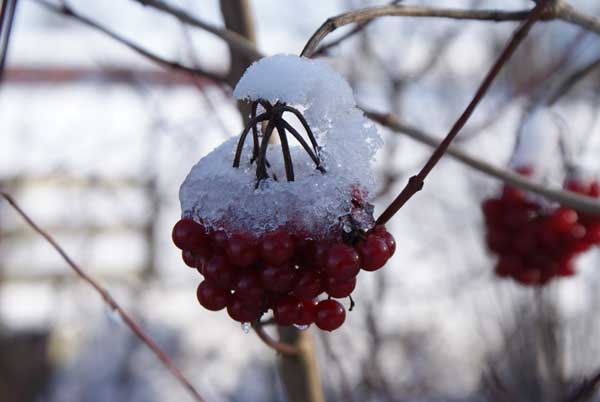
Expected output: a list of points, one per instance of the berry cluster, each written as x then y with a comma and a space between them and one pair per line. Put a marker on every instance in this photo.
536, 243
282, 271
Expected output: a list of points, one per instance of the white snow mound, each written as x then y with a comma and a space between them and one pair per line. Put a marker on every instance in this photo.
223, 196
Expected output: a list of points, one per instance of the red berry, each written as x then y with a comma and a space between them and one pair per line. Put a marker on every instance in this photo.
512, 195
189, 258
508, 265
219, 239
565, 268
277, 247
594, 189
529, 276
278, 278
309, 284
342, 262
577, 186
330, 315
314, 253
563, 219
340, 288
524, 242
249, 288
497, 240
592, 234
287, 310
525, 170
211, 296
374, 252
307, 313
219, 270
241, 311
242, 250
189, 235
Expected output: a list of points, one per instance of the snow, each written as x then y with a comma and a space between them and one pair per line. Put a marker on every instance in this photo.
221, 195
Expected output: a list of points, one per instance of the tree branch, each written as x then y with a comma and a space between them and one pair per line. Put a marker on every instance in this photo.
110, 301
567, 13
233, 39
416, 183
573, 79
366, 14
67, 11
7, 15
283, 348
567, 198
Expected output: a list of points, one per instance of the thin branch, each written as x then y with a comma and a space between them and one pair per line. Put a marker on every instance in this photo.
415, 183
67, 11
7, 16
233, 39
367, 14
586, 391
567, 198
283, 348
573, 79
567, 13
110, 301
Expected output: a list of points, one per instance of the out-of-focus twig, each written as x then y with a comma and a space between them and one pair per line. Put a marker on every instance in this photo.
567, 198
415, 183
7, 16
573, 79
110, 301
569, 14
236, 41
280, 347
68, 11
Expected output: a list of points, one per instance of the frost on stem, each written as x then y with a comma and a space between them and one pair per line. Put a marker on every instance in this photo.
326, 150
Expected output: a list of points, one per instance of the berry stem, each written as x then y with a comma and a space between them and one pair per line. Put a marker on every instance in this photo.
415, 183
285, 148
304, 123
302, 142
240, 145
283, 348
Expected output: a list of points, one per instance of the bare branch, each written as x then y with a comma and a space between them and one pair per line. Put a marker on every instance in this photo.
573, 79
280, 347
567, 13
110, 301
233, 39
67, 11
7, 15
367, 14
415, 183
567, 198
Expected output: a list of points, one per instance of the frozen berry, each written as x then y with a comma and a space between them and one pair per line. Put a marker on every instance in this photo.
340, 288
374, 252
189, 258
342, 262
330, 315
309, 284
287, 310
277, 247
248, 287
219, 270
242, 311
189, 235
278, 278
308, 312
211, 296
242, 250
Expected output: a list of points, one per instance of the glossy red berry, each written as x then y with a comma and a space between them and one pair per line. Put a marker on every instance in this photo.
248, 287
330, 315
374, 252
189, 258
278, 278
287, 310
242, 311
309, 284
308, 312
563, 219
219, 239
340, 288
242, 250
508, 265
189, 235
342, 262
211, 296
220, 271
276, 247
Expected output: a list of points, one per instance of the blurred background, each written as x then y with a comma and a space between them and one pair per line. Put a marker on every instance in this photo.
95, 141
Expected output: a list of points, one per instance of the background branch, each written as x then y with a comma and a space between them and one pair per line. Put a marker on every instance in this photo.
110, 301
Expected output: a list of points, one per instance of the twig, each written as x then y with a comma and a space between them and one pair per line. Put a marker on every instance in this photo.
233, 39
67, 11
280, 347
415, 183
366, 14
7, 15
110, 301
567, 198
567, 13
573, 79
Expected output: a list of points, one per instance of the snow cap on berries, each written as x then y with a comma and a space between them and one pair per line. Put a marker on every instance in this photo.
221, 195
